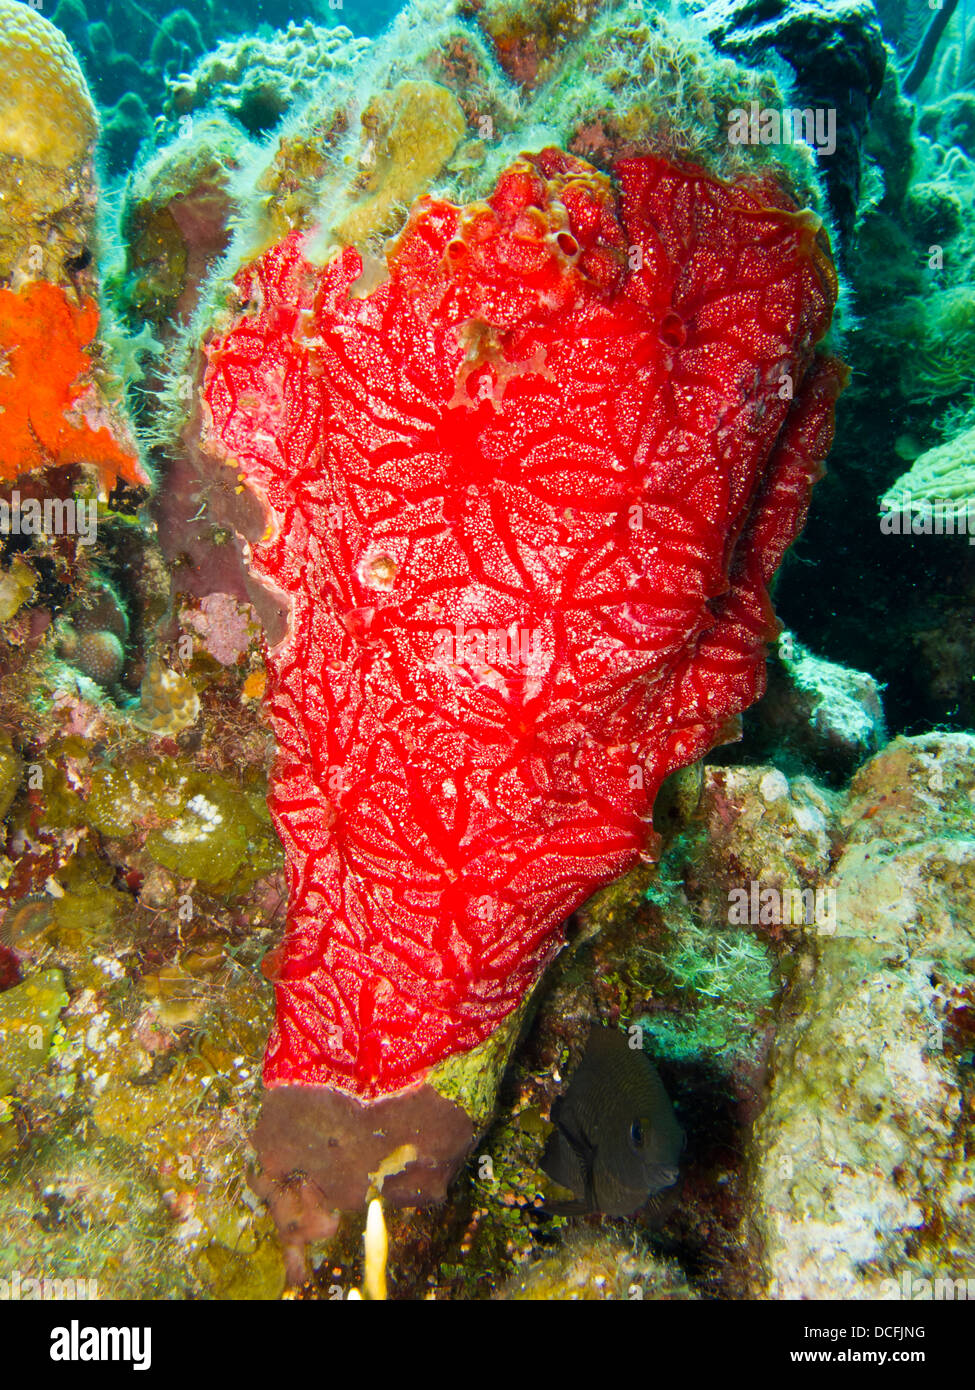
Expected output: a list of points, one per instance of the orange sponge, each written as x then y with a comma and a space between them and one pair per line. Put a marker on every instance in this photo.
50, 416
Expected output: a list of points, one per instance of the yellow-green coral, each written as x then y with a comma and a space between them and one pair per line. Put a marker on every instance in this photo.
46, 111
28, 1017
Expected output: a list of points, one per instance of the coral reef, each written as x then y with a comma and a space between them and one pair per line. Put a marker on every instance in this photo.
137, 55
186, 1015
911, 342
126, 52
441, 346
428, 111
141, 880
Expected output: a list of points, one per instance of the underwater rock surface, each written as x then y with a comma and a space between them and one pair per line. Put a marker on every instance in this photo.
864, 1148
837, 52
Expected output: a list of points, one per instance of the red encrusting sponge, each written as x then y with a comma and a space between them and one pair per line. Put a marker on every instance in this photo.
526, 498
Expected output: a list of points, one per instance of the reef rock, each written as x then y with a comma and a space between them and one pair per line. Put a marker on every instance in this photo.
765, 833
817, 713
837, 52
863, 1154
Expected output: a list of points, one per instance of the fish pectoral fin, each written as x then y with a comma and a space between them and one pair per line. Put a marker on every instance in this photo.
580, 1144
562, 1163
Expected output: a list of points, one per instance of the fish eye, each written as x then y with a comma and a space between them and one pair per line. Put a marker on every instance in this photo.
636, 1133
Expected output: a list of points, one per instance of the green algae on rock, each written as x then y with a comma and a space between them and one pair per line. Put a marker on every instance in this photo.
220, 836
471, 1079
28, 1017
